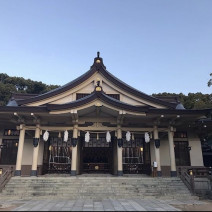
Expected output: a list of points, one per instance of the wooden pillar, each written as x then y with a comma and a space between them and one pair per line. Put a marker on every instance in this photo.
171, 151
119, 150
157, 151
74, 151
36, 141
20, 150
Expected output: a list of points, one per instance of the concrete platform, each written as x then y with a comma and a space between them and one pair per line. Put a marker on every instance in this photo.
103, 205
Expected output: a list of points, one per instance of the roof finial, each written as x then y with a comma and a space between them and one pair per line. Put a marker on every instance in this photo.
98, 53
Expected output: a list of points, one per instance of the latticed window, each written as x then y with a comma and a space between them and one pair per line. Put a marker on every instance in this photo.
11, 132
81, 95
115, 96
180, 135
8, 152
182, 153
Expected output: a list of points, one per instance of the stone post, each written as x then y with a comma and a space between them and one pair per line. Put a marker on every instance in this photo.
119, 150
74, 151
157, 151
171, 151
20, 150
36, 141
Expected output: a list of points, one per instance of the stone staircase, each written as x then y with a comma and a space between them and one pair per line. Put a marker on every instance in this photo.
98, 188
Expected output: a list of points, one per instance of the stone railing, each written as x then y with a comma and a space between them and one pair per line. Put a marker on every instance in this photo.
5, 177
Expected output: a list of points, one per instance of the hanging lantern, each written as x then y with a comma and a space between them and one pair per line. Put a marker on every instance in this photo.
65, 136
46, 136
108, 137
128, 136
147, 138
87, 137
50, 148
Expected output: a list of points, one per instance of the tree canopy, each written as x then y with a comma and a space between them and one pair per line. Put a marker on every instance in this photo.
192, 100
9, 85
210, 81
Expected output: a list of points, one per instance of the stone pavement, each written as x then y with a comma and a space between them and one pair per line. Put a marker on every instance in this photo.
96, 205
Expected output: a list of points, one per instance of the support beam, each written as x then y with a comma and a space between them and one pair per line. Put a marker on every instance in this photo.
93, 128
20, 150
157, 151
36, 141
74, 152
74, 116
171, 151
119, 151
120, 118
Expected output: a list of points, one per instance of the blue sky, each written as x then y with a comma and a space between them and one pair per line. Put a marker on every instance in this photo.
153, 45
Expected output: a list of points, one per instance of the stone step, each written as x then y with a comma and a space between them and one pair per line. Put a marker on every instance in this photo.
96, 181
101, 182
96, 188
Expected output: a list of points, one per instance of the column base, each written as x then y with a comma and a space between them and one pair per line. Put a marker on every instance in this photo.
159, 173
17, 173
73, 173
173, 173
120, 173
34, 173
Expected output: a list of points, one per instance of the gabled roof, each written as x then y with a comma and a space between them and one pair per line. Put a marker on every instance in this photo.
97, 95
100, 95
97, 66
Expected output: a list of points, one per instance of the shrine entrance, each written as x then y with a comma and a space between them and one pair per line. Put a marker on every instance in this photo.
57, 156
97, 154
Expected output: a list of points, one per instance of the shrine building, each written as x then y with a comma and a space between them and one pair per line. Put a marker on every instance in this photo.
98, 124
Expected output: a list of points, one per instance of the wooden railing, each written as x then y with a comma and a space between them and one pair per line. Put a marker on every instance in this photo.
202, 172
188, 175
5, 177
186, 178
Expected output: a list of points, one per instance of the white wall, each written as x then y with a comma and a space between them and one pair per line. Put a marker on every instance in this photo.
196, 150
164, 152
28, 152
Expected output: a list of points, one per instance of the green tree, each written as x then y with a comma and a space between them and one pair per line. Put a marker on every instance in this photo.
9, 85
192, 100
210, 81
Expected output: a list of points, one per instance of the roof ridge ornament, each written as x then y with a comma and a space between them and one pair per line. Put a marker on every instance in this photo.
98, 87
98, 62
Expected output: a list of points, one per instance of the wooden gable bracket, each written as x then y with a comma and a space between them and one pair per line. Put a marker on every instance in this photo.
36, 119
157, 121
174, 120
19, 119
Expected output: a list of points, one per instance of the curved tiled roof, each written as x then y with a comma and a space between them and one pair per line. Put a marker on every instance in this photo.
97, 66
94, 96
100, 95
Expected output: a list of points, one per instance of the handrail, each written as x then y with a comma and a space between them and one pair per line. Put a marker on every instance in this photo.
4, 179
188, 174
187, 179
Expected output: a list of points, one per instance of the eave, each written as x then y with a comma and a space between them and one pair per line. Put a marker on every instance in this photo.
97, 96
40, 109
179, 112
